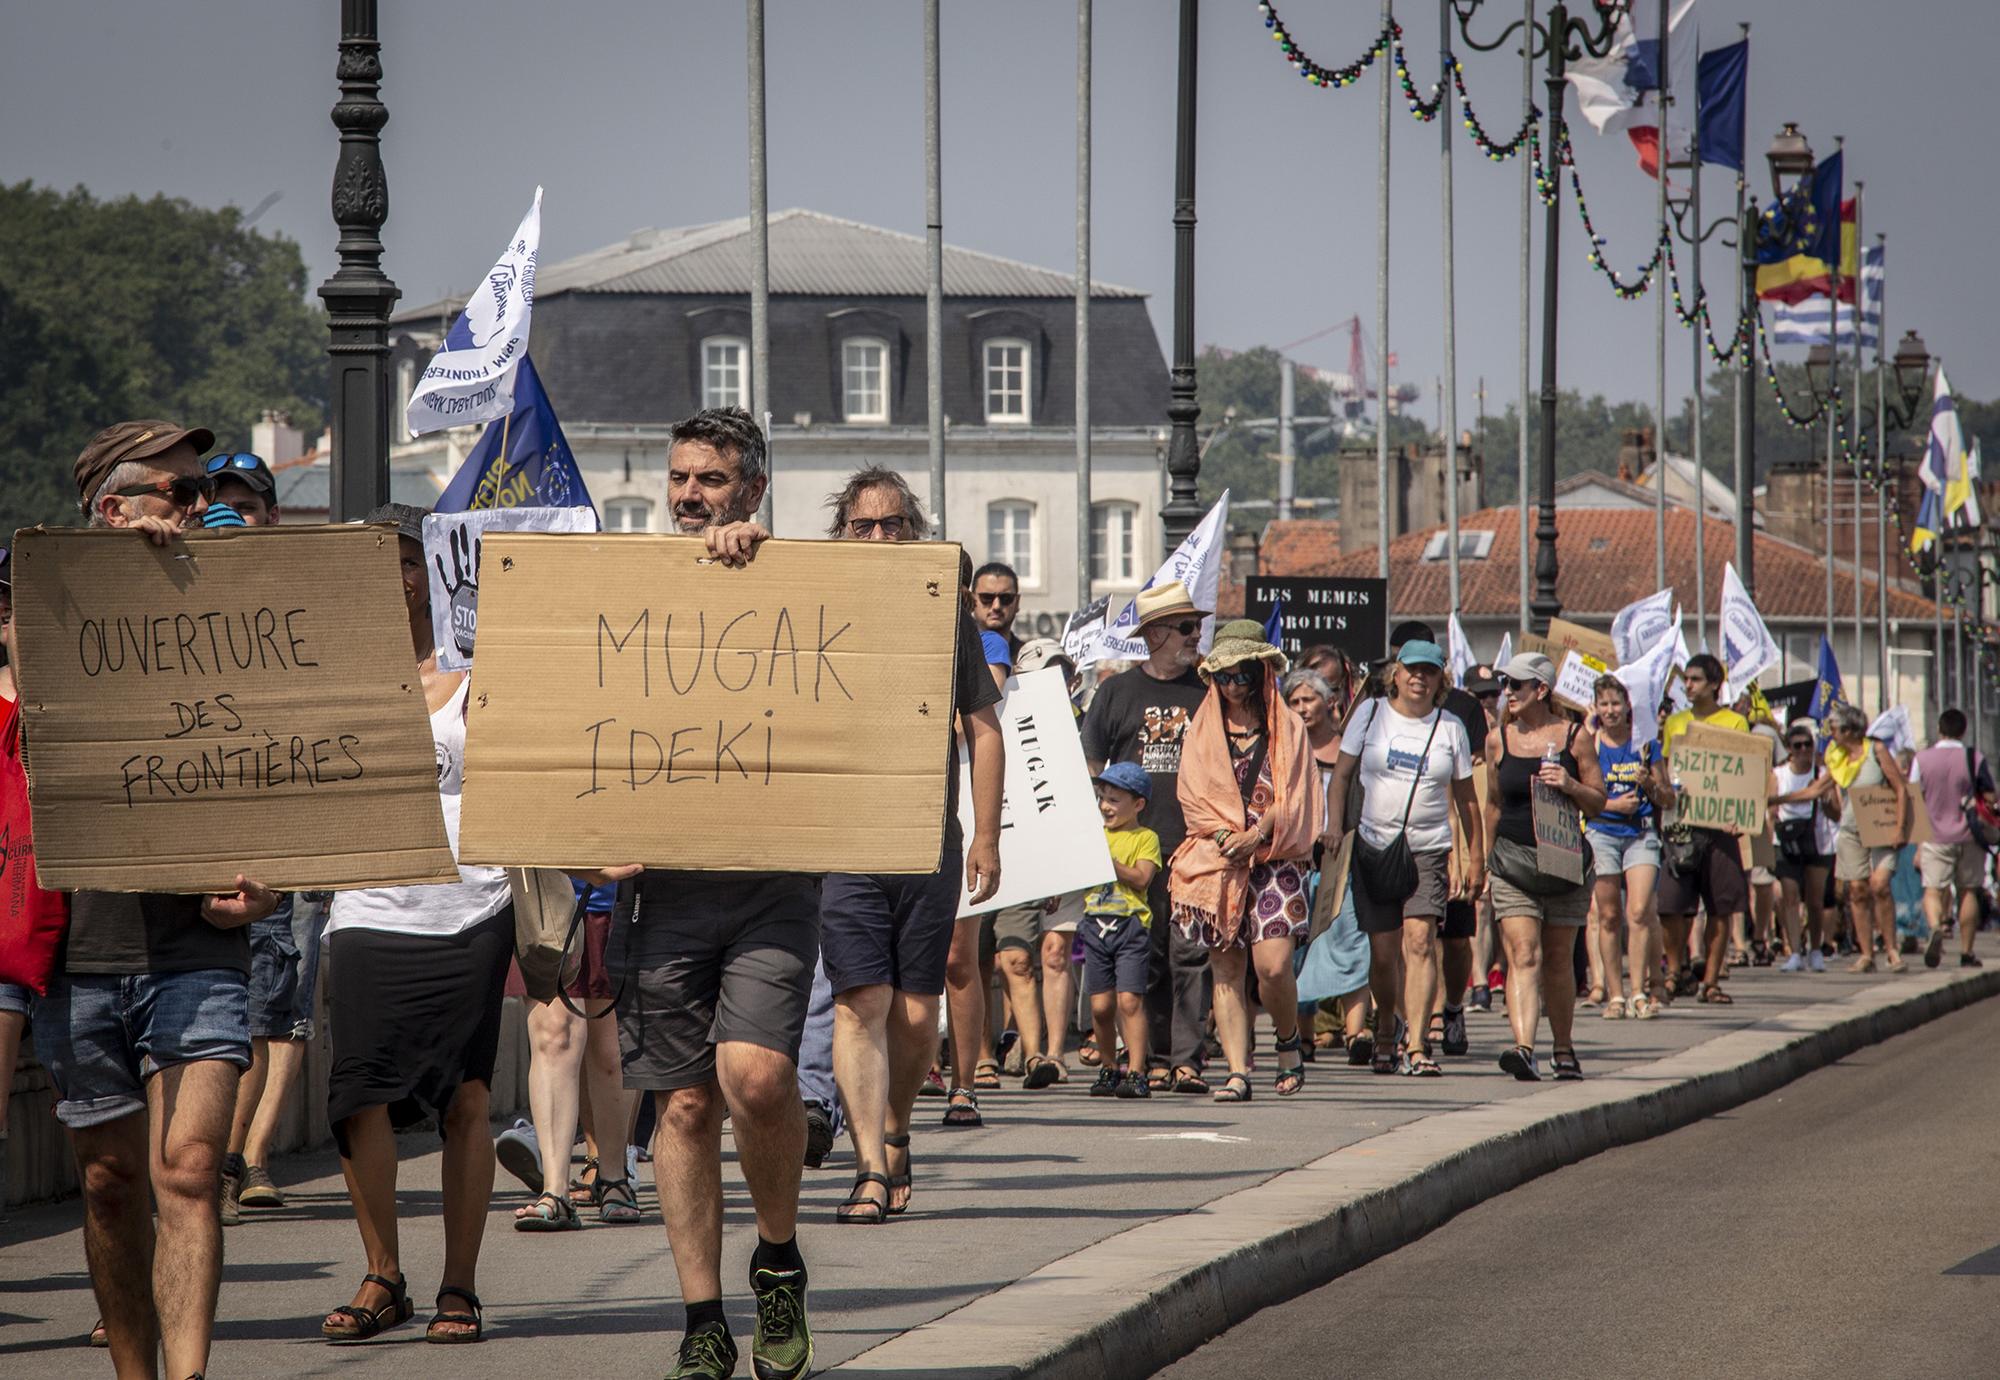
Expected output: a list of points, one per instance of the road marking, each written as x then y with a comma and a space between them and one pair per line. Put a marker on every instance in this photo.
1210, 1137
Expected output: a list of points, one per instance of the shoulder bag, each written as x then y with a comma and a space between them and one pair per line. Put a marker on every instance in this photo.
1389, 875
1798, 841
1980, 817
547, 911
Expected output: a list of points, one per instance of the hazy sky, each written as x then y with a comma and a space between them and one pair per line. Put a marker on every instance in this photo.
632, 114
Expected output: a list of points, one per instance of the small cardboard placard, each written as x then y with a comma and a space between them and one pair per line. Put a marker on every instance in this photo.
1875, 815
1332, 894
243, 700
1051, 834
1576, 680
1725, 778
1574, 637
1558, 833
638, 702
452, 543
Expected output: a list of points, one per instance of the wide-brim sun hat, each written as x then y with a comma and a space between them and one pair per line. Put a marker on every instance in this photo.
1168, 600
1239, 641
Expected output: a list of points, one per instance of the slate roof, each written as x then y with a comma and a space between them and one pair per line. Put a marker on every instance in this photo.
812, 254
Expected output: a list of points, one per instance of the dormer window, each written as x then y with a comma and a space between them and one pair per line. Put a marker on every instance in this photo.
1006, 375
864, 373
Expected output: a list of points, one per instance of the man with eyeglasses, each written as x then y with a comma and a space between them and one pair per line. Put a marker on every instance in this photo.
143, 1030
1142, 715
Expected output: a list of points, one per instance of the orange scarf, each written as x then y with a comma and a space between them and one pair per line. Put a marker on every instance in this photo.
1205, 885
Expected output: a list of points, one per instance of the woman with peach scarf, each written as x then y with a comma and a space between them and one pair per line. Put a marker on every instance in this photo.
1254, 803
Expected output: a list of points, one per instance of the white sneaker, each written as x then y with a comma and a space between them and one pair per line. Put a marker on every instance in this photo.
1816, 960
1794, 964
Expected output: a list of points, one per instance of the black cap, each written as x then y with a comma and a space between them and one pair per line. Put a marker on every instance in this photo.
409, 520
1411, 630
246, 469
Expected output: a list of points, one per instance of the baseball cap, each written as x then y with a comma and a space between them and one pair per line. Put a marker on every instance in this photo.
408, 519
1128, 776
123, 441
1480, 680
1530, 666
1421, 652
1411, 630
243, 467
1038, 652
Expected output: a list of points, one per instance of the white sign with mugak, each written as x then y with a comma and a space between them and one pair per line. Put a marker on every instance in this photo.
451, 554
1051, 836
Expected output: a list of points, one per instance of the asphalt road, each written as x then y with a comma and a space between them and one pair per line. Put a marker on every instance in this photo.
1847, 1225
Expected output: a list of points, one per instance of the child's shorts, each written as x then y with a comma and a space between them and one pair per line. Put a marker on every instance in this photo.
1116, 953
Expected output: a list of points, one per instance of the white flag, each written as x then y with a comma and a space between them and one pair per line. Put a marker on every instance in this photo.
1506, 652
1748, 649
1196, 563
1646, 676
1639, 624
471, 378
1892, 726
1459, 653
1677, 694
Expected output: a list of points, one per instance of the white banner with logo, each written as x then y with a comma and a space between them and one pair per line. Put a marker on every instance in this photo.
471, 377
1748, 649
451, 555
1639, 624
1196, 563
1051, 835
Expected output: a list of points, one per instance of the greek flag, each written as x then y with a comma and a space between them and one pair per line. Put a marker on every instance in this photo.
471, 377
1804, 323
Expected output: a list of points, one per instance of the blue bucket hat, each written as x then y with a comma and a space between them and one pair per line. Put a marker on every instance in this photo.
1128, 776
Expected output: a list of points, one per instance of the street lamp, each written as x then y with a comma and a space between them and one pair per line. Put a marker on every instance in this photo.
1183, 507
1560, 37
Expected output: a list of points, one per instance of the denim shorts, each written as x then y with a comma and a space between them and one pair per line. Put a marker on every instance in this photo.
1617, 853
274, 978
102, 1035
13, 998
1117, 954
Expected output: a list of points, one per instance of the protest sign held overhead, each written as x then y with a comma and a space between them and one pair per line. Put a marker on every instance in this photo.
1351, 614
1725, 778
1197, 564
452, 545
240, 701
471, 378
798, 708
1051, 834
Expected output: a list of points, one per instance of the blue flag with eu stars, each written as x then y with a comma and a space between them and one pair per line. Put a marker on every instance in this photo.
522, 461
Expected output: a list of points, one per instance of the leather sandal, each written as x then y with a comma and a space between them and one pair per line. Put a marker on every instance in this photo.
860, 1210
476, 1317
369, 1322
902, 1180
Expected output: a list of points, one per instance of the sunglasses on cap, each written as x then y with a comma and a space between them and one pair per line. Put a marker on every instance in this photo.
183, 491
217, 465
1237, 677
990, 598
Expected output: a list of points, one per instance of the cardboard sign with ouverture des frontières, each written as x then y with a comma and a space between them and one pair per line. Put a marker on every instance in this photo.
243, 700
636, 701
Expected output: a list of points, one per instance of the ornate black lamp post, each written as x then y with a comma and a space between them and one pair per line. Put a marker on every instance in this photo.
359, 295
1560, 37
1183, 508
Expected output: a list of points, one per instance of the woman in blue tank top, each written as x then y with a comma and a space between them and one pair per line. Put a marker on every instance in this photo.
1625, 848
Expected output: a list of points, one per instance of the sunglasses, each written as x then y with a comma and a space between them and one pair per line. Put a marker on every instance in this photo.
182, 491
238, 460
990, 600
1187, 629
1800, 743
867, 527
1515, 683
1237, 677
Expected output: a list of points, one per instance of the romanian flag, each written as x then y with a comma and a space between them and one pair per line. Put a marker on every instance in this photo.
1802, 276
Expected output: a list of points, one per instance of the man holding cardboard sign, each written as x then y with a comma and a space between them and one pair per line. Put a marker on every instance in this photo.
1720, 775
143, 1029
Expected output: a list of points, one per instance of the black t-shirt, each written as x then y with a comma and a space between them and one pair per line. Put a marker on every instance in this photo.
1464, 706
1136, 718
972, 689
123, 932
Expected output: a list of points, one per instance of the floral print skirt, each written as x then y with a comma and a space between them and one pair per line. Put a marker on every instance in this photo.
1278, 909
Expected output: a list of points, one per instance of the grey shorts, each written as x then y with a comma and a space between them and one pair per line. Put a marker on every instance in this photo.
1427, 902
1020, 927
1945, 865
1855, 861
1572, 908
1613, 854
712, 957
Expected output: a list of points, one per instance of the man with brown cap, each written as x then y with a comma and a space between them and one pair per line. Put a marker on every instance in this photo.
1140, 716
143, 1030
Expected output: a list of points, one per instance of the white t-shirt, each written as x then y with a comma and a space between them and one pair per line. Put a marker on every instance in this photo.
1789, 781
444, 908
1391, 749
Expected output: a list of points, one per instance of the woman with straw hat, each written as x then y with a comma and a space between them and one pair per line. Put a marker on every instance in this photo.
1254, 805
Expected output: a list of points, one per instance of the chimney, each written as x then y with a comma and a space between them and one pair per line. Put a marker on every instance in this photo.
273, 437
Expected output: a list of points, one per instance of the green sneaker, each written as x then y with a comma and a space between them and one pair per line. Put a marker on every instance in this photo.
782, 1348
707, 1353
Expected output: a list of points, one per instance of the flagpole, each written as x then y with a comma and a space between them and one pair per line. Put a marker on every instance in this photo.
1382, 317
1937, 593
1083, 511
1527, 300
760, 254
1450, 308
1660, 99
934, 289
1858, 315
1882, 477
1832, 414
1700, 469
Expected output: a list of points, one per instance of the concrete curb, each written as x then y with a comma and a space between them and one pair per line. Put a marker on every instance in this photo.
1135, 1302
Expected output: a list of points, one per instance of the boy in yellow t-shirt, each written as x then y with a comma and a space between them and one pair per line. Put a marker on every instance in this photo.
1116, 950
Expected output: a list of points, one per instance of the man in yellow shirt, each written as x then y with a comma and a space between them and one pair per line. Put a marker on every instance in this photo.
1713, 876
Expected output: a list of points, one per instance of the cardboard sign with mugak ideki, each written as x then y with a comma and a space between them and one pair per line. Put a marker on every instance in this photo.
1051, 834
1725, 777
639, 702
238, 701
1875, 815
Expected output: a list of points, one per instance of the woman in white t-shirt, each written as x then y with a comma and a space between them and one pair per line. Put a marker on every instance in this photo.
414, 984
1416, 768
1806, 800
